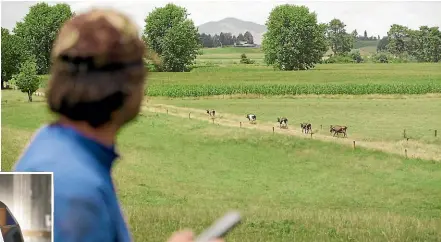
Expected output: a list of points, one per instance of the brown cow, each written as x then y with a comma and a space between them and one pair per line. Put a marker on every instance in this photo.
337, 129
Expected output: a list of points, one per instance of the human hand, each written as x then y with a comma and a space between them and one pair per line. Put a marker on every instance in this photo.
186, 236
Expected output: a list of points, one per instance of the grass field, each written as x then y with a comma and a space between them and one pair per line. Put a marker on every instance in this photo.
359, 44
178, 172
229, 55
289, 189
376, 118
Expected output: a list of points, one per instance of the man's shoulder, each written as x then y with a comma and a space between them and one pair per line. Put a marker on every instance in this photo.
48, 150
51, 151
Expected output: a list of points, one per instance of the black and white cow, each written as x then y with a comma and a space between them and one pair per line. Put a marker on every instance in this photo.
211, 112
306, 127
283, 122
251, 117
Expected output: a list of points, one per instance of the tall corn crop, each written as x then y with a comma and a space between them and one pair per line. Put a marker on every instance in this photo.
177, 90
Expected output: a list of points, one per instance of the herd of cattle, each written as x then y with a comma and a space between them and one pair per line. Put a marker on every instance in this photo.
283, 124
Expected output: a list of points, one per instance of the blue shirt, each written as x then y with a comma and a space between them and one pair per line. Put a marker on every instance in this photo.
86, 207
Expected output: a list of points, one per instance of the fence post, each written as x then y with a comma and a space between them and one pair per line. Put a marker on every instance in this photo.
436, 131
404, 133
189, 115
167, 110
273, 130
405, 152
353, 144
241, 124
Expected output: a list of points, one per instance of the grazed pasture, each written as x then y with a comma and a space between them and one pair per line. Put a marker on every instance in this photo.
368, 118
418, 142
177, 173
231, 55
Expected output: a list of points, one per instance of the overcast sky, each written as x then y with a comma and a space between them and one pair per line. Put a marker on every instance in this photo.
375, 17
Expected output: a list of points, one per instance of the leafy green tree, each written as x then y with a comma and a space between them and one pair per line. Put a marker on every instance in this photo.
294, 40
216, 40
12, 53
382, 44
206, 40
356, 56
222, 39
340, 41
248, 37
240, 38
13, 81
380, 57
27, 80
417, 43
425, 44
39, 29
398, 35
6, 74
435, 44
245, 60
355, 34
172, 36
228, 39
180, 46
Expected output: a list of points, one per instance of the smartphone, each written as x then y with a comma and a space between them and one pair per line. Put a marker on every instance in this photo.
221, 227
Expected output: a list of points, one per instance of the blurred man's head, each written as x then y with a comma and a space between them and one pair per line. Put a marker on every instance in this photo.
97, 74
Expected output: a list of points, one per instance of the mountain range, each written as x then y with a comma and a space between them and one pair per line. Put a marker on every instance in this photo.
234, 26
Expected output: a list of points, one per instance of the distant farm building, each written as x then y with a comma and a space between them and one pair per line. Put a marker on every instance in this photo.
244, 44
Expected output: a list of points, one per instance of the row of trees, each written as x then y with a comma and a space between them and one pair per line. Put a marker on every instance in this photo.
423, 44
364, 36
294, 40
32, 39
224, 39
172, 38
